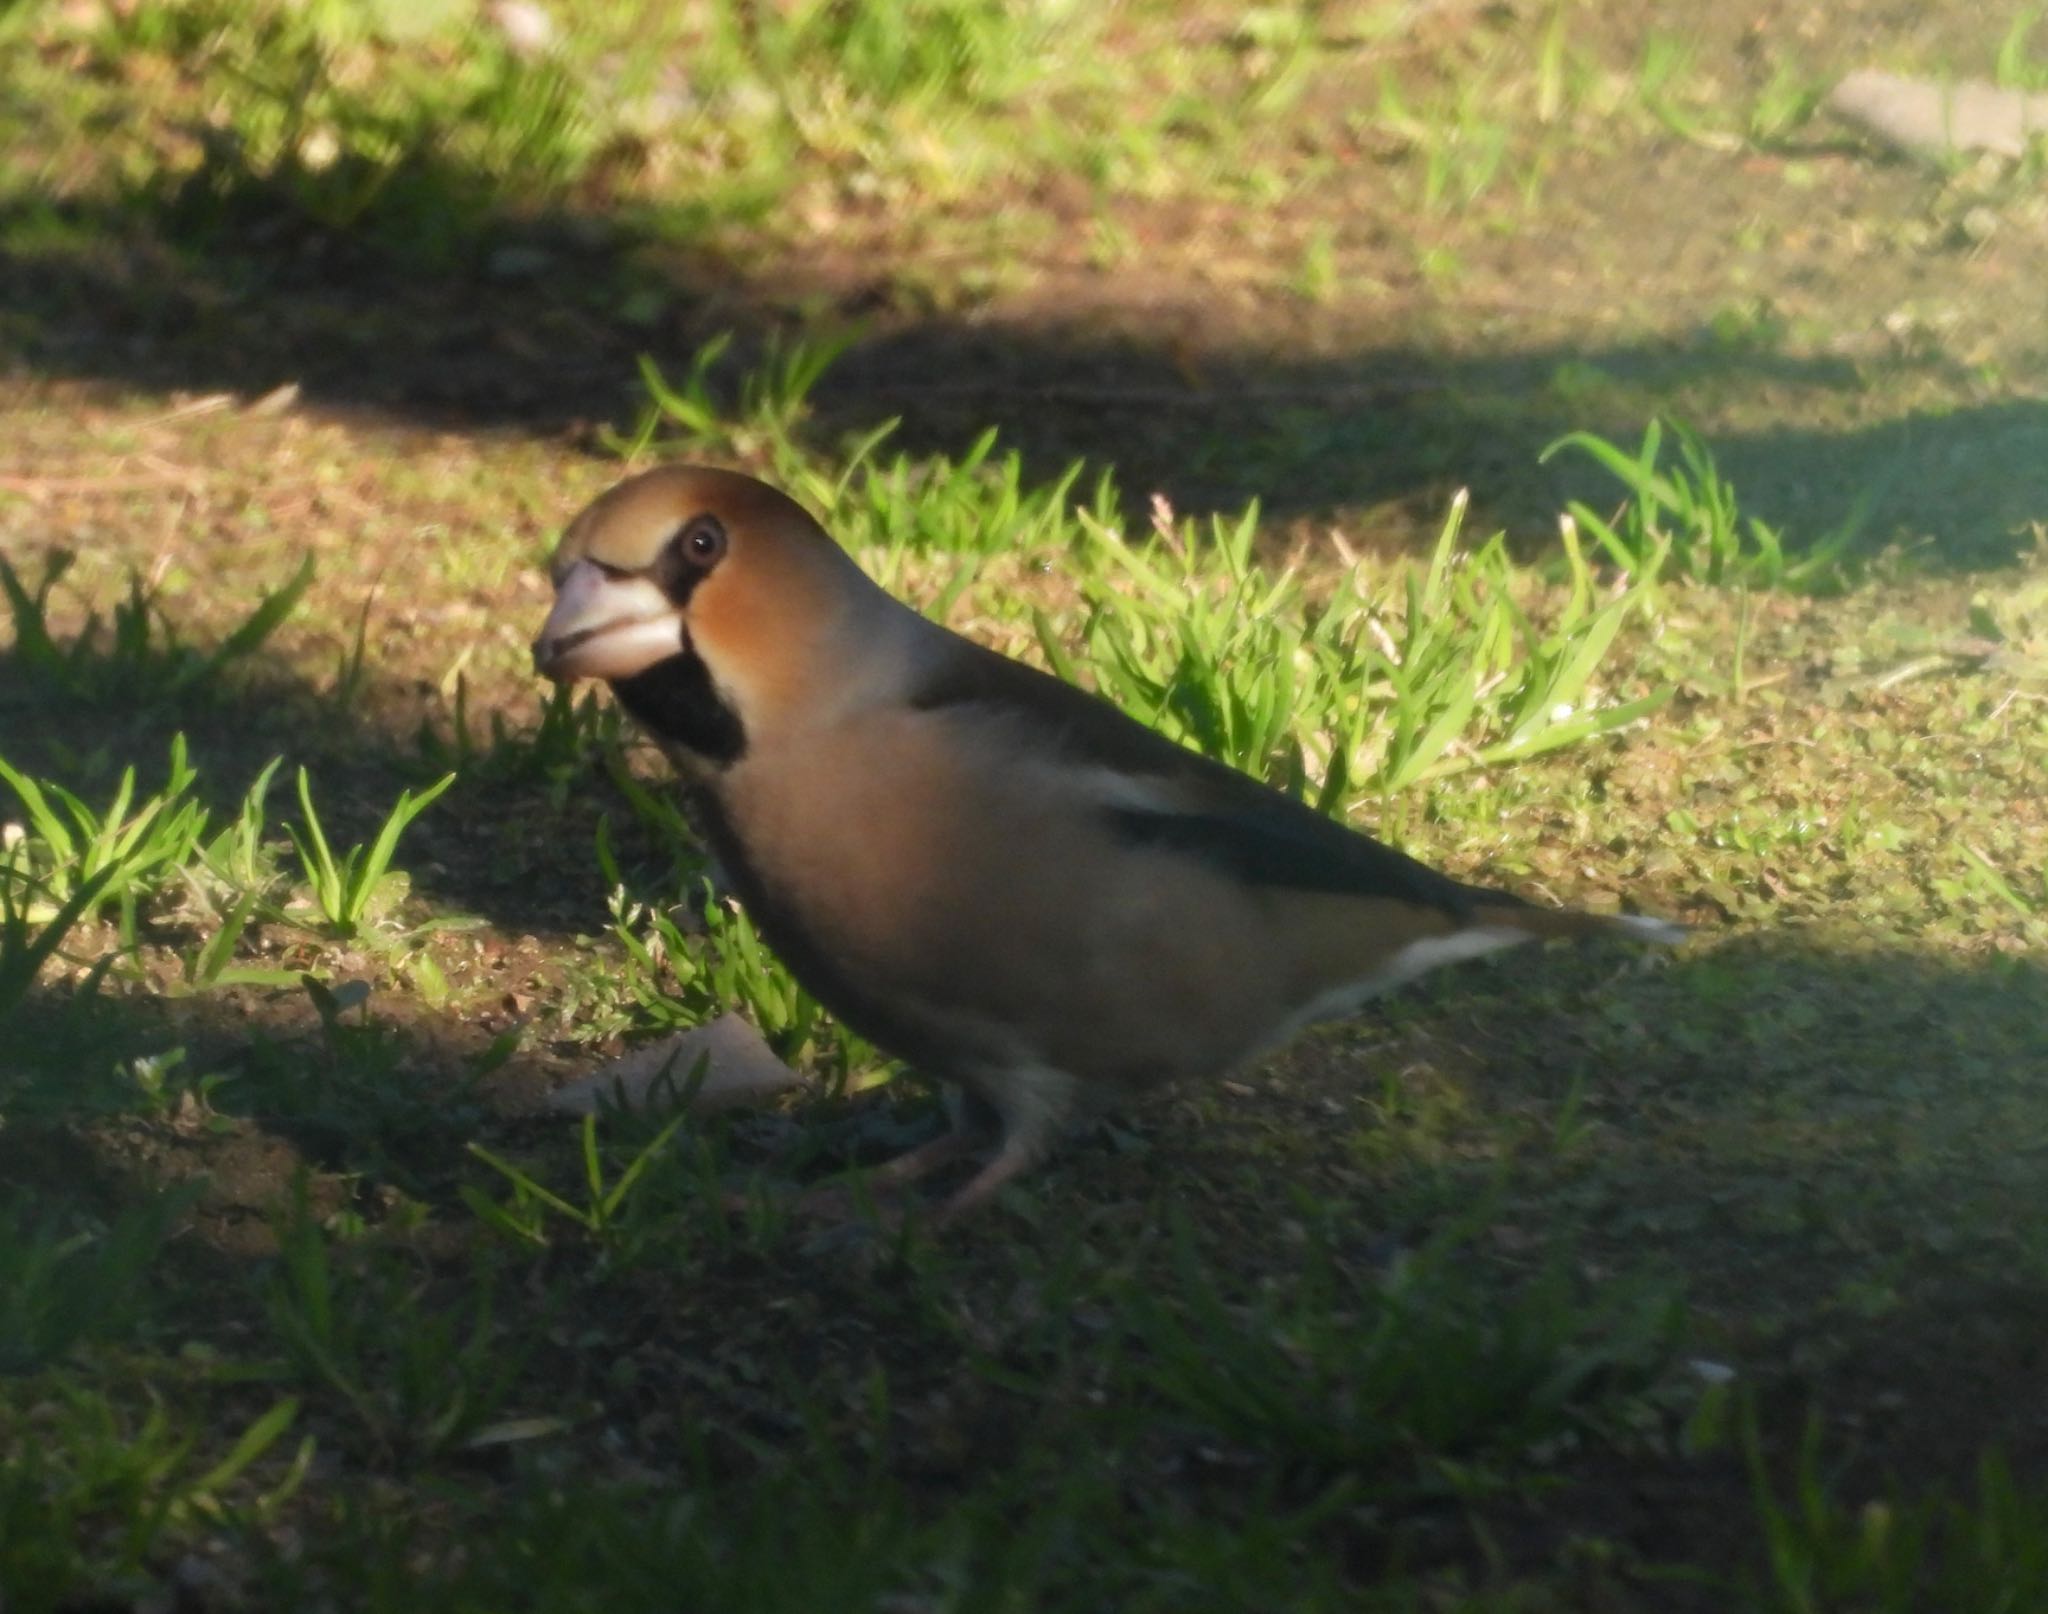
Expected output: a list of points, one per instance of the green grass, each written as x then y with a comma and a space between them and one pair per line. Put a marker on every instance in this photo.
1986, 1550
1334, 695
136, 650
30, 938
526, 1216
92, 1495
430, 1296
120, 858
419, 134
1703, 1282
66, 1284
1686, 519
1425, 1381
69, 860
353, 892
416, 1370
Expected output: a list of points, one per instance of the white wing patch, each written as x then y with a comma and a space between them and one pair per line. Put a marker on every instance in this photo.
1111, 787
1417, 959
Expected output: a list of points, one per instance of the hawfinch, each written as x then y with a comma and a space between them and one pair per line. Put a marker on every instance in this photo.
984, 870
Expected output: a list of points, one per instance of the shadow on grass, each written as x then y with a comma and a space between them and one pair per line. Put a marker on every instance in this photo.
1837, 1138
534, 323
1833, 1147
1833, 1152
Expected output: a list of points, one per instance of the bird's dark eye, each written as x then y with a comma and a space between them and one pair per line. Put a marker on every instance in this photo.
697, 546
702, 542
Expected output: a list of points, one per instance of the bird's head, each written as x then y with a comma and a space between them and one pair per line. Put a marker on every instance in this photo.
688, 588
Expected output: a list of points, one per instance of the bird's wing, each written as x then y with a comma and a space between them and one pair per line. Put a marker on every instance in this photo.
1156, 793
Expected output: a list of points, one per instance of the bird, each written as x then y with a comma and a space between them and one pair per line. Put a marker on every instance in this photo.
990, 873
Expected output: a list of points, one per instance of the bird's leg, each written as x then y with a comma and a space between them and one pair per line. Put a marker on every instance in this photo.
840, 1200
1017, 1156
925, 1159
1034, 1102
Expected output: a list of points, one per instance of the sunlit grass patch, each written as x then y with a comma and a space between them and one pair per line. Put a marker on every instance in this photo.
121, 857
1684, 520
151, 859
1396, 674
353, 892
430, 132
340, 118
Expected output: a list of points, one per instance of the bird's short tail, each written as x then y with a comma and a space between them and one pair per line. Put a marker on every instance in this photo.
1571, 923
1492, 921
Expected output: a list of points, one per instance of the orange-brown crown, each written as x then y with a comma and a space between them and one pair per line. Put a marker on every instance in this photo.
764, 606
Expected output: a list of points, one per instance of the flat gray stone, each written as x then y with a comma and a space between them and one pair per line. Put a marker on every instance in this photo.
1932, 119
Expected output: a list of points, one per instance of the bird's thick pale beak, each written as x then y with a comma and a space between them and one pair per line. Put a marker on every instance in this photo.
606, 627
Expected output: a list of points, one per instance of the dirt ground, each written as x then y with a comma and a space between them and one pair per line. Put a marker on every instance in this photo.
1828, 1123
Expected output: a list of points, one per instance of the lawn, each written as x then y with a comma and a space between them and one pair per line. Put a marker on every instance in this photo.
1539, 434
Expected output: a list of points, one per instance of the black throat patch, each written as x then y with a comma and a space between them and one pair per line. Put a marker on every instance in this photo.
676, 699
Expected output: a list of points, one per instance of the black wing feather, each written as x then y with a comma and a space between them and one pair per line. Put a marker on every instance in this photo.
1232, 822
1268, 849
